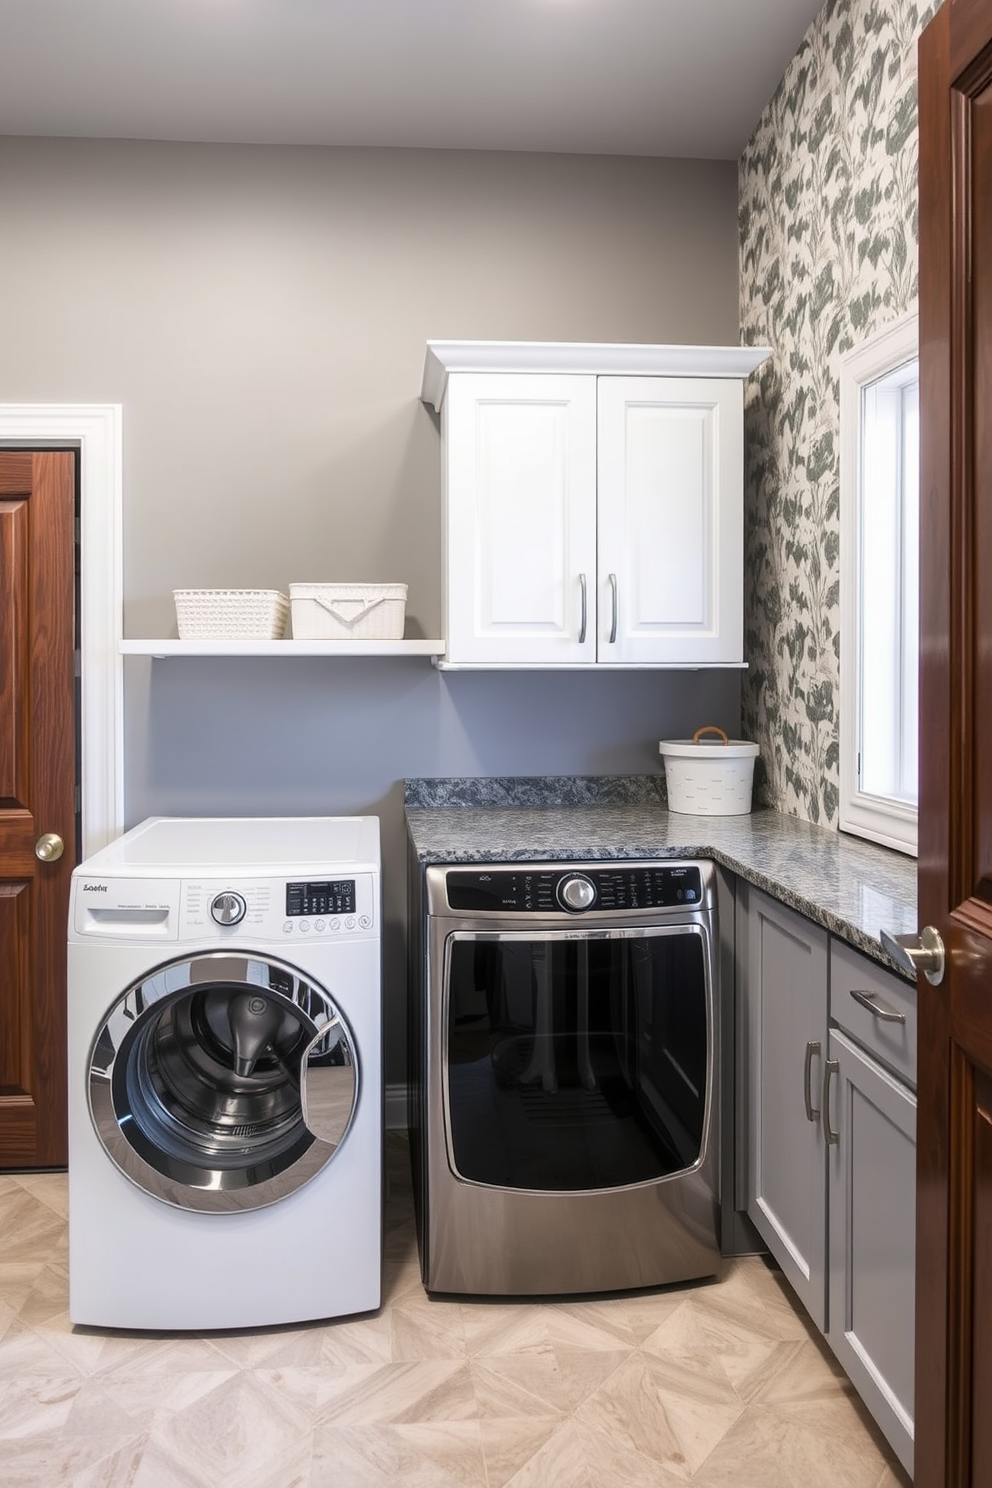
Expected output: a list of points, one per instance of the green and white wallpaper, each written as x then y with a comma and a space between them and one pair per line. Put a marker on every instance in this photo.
828, 229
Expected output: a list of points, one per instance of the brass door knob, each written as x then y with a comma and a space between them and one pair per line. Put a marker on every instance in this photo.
49, 847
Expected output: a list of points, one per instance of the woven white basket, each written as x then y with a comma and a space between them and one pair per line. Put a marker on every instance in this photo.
230, 614
375, 612
709, 777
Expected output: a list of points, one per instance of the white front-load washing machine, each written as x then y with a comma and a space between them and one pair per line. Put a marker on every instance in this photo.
225, 1074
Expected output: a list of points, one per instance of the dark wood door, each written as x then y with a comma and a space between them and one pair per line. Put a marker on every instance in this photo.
37, 796
954, 1219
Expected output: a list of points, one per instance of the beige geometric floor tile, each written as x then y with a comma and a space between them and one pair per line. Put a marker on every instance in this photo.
119, 1469
501, 1396
748, 1356
559, 1380
431, 1390
269, 1348
52, 1432
672, 1411
16, 1280
151, 1396
646, 1311
366, 1340
748, 1456
93, 1352
763, 1289
508, 1444
425, 1329
752, 1369
561, 1461
50, 1189
242, 1434
30, 1228
578, 1455
596, 1323
48, 1299
35, 1406
732, 1315
26, 1353
505, 1328
599, 1392
8, 1316
764, 1451
810, 1390
444, 1454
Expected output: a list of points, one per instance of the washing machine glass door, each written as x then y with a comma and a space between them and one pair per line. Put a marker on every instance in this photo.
223, 1083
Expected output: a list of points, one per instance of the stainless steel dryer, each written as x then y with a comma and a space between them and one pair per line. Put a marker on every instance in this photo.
564, 1077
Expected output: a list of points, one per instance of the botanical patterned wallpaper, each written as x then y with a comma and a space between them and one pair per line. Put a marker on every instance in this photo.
828, 229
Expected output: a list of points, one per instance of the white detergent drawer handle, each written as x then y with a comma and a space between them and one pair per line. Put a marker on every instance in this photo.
114, 909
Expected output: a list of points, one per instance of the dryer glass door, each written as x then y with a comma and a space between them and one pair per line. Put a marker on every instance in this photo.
578, 1061
223, 1083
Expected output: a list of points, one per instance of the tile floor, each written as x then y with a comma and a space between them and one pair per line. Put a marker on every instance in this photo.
713, 1385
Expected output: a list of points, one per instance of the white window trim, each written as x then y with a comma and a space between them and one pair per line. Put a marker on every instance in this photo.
95, 430
892, 823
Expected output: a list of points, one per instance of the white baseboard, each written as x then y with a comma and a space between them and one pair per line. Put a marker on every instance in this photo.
395, 1107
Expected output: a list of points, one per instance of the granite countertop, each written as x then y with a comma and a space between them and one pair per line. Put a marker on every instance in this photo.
851, 887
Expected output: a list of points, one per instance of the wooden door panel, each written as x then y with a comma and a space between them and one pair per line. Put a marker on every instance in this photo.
37, 795
981, 1436
954, 1203
13, 696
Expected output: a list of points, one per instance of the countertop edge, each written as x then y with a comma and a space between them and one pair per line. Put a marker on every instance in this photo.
580, 843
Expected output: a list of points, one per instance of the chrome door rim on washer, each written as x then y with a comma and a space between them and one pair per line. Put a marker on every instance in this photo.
161, 1056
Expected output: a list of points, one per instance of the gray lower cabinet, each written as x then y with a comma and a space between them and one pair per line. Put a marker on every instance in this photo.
870, 1115
784, 959
828, 1073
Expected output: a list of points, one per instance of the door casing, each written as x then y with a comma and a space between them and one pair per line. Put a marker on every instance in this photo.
96, 431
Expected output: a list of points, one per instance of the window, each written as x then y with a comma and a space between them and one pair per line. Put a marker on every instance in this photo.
879, 576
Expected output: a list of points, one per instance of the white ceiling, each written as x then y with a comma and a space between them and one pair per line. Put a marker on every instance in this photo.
627, 77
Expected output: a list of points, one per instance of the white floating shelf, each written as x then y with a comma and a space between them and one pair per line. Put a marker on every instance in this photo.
282, 648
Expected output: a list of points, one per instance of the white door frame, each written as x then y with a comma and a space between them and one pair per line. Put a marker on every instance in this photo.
95, 430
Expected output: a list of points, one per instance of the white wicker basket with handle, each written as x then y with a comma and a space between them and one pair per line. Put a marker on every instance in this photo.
709, 777
374, 612
230, 614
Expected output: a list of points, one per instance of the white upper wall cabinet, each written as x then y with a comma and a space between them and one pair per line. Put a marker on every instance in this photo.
593, 503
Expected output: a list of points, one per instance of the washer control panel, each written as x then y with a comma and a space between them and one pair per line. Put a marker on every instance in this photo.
279, 909
539, 889
330, 897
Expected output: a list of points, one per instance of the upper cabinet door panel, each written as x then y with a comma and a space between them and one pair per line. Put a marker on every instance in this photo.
670, 520
520, 463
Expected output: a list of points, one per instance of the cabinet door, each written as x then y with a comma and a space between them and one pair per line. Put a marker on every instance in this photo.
872, 1170
520, 529
671, 520
785, 1024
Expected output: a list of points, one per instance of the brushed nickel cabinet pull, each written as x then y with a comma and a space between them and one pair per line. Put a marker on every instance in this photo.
867, 999
830, 1068
812, 1113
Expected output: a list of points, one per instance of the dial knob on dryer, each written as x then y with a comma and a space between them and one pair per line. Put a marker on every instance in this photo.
576, 892
228, 908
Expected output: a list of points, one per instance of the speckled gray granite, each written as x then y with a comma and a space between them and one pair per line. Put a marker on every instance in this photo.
851, 887
537, 790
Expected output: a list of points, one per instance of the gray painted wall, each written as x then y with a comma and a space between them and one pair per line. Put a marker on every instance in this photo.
261, 315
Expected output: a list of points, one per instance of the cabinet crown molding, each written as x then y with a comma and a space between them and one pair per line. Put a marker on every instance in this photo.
589, 358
